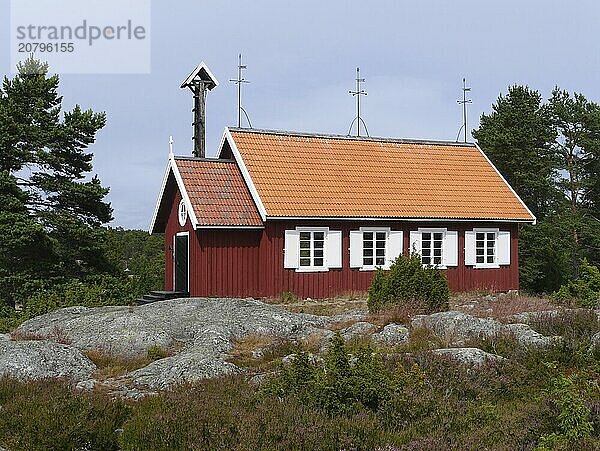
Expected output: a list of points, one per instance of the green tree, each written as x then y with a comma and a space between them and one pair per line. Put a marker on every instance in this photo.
549, 154
51, 212
577, 124
517, 137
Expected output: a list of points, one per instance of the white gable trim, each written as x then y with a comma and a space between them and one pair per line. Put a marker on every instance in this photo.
240, 162
196, 71
534, 219
160, 195
172, 166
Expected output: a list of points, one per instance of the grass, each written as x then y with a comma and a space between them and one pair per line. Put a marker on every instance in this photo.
435, 404
58, 335
111, 366
500, 305
260, 353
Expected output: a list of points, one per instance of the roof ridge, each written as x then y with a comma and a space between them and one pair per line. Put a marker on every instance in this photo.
209, 160
351, 138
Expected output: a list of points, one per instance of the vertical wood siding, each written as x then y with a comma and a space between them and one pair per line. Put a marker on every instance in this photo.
249, 263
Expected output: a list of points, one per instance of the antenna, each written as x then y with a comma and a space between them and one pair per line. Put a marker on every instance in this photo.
359, 92
238, 81
464, 102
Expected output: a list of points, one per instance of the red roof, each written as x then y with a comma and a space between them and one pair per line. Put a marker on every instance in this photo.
217, 192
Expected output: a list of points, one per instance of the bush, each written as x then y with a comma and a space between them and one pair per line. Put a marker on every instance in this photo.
572, 420
584, 291
409, 282
345, 384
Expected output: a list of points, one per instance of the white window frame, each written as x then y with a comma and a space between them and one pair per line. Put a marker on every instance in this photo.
182, 214
443, 231
373, 267
325, 266
486, 265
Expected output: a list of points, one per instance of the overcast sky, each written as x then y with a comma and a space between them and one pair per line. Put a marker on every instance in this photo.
301, 59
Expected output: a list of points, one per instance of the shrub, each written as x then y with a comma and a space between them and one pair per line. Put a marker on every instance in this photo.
585, 290
409, 282
572, 420
288, 297
344, 384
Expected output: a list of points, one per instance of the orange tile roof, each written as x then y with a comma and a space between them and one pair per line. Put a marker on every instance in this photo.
218, 193
303, 175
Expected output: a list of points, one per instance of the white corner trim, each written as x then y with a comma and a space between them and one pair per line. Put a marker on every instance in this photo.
160, 196
184, 194
534, 219
240, 162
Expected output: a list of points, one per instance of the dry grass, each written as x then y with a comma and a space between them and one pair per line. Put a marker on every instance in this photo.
400, 314
500, 305
58, 335
259, 351
112, 366
326, 307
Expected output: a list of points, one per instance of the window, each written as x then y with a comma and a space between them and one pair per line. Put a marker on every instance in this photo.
312, 249
374, 246
436, 246
485, 248
182, 213
432, 248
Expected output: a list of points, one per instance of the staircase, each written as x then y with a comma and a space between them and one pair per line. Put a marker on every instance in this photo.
155, 296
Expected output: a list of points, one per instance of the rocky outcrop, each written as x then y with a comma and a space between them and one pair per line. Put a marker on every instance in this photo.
130, 331
391, 335
43, 359
200, 333
469, 356
201, 330
457, 328
357, 330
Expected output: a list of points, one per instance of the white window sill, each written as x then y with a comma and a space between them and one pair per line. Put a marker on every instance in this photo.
435, 266
373, 268
311, 269
486, 266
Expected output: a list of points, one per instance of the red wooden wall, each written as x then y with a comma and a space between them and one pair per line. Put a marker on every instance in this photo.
249, 263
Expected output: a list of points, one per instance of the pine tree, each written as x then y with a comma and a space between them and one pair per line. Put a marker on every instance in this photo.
516, 136
51, 212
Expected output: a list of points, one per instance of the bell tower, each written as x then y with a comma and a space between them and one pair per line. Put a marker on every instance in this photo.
199, 82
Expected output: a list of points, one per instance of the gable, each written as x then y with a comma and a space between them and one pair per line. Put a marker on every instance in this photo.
214, 192
304, 175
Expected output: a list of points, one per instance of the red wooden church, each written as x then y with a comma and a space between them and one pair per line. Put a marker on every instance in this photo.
316, 214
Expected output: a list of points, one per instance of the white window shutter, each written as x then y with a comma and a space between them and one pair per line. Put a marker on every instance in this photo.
394, 246
334, 249
451, 248
291, 252
503, 249
356, 250
415, 242
470, 248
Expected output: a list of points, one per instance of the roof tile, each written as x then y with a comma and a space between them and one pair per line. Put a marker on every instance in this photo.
218, 193
327, 176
